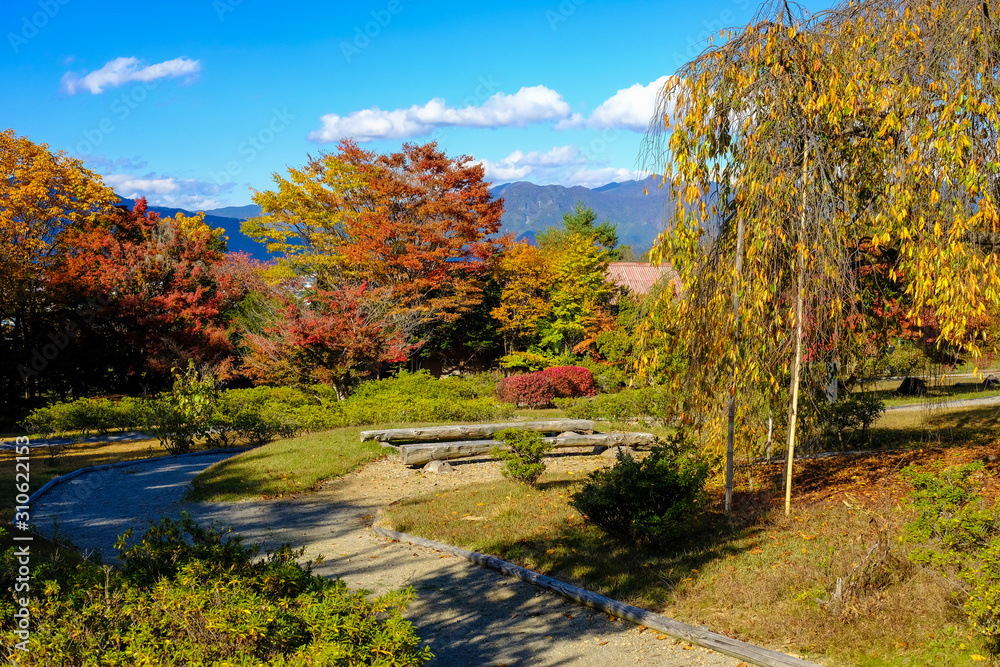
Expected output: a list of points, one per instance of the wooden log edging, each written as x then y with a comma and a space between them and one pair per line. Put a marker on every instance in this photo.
700, 636
469, 431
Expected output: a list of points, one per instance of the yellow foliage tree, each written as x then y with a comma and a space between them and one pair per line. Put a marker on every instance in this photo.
527, 277
815, 164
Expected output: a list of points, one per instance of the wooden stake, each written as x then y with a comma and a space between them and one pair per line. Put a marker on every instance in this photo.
731, 440
793, 404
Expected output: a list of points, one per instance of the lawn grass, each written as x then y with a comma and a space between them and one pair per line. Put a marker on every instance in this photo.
756, 574
286, 467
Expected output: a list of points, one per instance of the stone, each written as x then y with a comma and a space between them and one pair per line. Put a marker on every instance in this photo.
438, 467
991, 382
912, 387
612, 453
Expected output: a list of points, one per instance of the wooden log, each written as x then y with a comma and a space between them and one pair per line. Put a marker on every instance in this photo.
701, 636
472, 431
421, 453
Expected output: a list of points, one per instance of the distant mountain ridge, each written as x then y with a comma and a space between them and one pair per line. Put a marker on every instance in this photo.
228, 218
528, 209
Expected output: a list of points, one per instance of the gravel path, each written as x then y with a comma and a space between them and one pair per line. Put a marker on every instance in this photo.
54, 442
946, 405
469, 616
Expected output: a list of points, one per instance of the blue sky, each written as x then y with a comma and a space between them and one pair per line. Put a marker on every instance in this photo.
193, 103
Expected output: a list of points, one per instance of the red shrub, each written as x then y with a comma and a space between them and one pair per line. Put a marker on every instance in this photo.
537, 390
570, 381
530, 389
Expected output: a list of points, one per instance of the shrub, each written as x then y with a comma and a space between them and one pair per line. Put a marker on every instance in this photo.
652, 500
570, 381
962, 536
852, 414
527, 362
241, 419
523, 458
537, 390
182, 416
531, 390
192, 596
646, 403
84, 416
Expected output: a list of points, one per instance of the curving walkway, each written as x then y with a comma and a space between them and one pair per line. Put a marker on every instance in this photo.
467, 615
945, 405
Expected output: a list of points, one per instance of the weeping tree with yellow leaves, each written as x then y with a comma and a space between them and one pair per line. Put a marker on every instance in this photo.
831, 176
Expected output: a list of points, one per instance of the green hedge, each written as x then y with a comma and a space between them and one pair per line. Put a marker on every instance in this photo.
647, 403
257, 415
186, 595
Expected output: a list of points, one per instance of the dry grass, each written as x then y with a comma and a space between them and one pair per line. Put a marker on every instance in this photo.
756, 574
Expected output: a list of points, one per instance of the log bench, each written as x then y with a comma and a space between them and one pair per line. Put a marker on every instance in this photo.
472, 431
421, 453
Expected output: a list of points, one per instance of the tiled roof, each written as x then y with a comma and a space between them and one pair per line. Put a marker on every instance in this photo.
639, 277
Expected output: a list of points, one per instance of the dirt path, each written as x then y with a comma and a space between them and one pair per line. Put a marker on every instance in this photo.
468, 616
946, 405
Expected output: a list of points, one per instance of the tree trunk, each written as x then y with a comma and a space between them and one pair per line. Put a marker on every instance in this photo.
793, 405
731, 439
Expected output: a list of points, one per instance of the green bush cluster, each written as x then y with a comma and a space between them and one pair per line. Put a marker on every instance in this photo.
86, 416
653, 500
191, 596
852, 415
195, 412
962, 537
524, 456
644, 405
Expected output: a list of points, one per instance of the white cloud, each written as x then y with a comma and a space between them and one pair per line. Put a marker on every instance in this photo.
519, 165
528, 105
592, 178
630, 109
124, 70
104, 165
190, 193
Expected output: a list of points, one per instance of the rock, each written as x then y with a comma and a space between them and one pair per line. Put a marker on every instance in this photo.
912, 387
613, 452
565, 434
599, 449
991, 382
438, 467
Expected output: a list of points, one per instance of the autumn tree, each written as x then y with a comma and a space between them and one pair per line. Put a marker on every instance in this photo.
417, 222
336, 337
416, 227
797, 153
527, 277
160, 290
42, 195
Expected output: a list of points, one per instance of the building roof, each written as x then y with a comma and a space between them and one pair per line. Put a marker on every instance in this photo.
640, 277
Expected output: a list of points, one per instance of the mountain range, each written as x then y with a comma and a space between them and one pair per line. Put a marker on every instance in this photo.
528, 209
